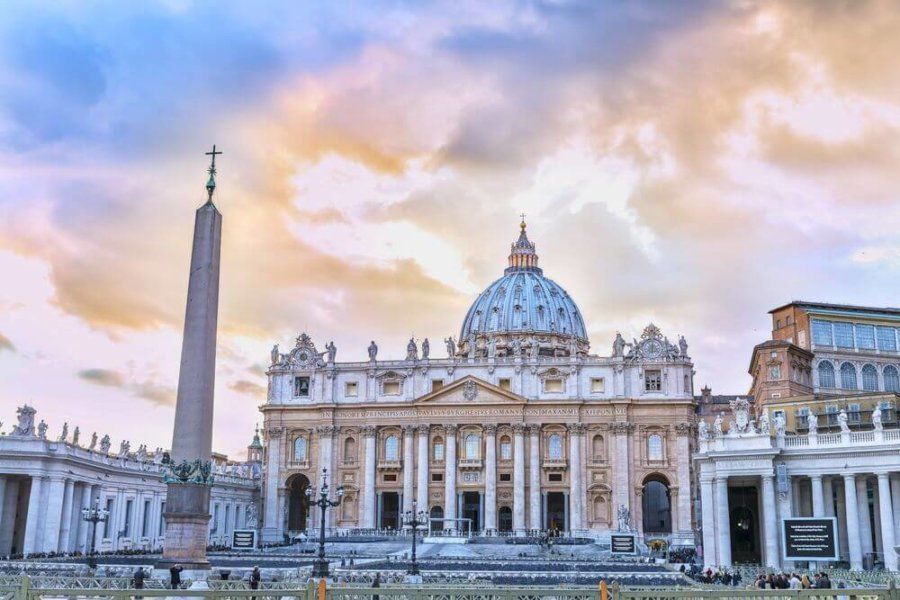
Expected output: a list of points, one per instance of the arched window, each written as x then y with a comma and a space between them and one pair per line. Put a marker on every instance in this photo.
350, 450
870, 378
599, 509
654, 447
505, 448
300, 448
437, 452
598, 447
891, 379
826, 374
391, 448
554, 447
848, 376
472, 444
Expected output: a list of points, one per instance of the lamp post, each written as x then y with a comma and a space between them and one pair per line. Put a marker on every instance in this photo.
414, 520
94, 514
320, 567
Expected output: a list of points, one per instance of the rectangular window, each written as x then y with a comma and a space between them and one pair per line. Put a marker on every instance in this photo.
436, 384
227, 517
215, 520
437, 476
109, 512
653, 380
145, 521
505, 477
554, 477
865, 337
886, 339
351, 389
853, 413
505, 384
553, 386
776, 394
162, 519
390, 477
831, 413
598, 385
301, 387
775, 372
821, 332
391, 388
439, 451
843, 335
129, 508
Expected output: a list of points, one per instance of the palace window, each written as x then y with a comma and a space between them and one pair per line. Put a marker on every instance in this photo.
598, 447
886, 339
821, 331
653, 380
553, 386
869, 378
436, 384
391, 448
853, 414
300, 449
391, 388
865, 337
436, 477
598, 385
472, 446
826, 374
505, 477
504, 384
350, 451
831, 414
775, 372
390, 477
554, 477
351, 389
301, 386
891, 379
505, 448
554, 447
437, 451
654, 447
848, 376
843, 335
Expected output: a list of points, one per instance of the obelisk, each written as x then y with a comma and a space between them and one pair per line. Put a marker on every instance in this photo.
189, 473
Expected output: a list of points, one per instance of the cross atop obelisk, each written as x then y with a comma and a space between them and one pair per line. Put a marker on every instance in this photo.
211, 183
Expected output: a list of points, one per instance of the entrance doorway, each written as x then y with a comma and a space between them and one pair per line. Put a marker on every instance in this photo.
471, 509
744, 521
504, 520
298, 507
556, 511
390, 510
655, 505
437, 512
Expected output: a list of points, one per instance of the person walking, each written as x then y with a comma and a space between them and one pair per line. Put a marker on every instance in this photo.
175, 575
255, 577
137, 580
376, 583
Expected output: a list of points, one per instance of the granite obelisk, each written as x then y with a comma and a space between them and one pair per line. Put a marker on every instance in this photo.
189, 471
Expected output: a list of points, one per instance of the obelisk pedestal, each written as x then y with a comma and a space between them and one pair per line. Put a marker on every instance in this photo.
189, 475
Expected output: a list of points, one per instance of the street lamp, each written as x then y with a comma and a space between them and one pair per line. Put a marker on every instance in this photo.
414, 520
94, 514
320, 567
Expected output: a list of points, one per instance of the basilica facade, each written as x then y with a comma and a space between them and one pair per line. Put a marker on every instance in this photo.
518, 429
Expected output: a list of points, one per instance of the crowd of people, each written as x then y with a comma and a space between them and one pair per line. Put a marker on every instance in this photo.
792, 581
720, 576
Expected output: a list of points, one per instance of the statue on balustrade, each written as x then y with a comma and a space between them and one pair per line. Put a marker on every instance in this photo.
812, 423
842, 421
876, 418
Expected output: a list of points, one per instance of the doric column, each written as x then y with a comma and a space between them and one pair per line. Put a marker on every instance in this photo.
519, 478
770, 522
534, 476
450, 476
408, 467
683, 432
708, 517
818, 496
886, 511
53, 522
576, 484
723, 524
271, 514
65, 530
10, 501
621, 477
490, 478
369, 432
422, 484
865, 523
33, 527
2, 502
853, 533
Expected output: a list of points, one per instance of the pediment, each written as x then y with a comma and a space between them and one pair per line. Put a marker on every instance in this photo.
470, 390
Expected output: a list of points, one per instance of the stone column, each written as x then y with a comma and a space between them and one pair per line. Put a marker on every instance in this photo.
450, 476
326, 450
887, 522
2, 502
895, 501
33, 526
53, 521
490, 478
576, 484
65, 532
534, 476
271, 514
621, 477
369, 433
10, 501
708, 517
187, 505
409, 467
519, 478
422, 484
853, 532
770, 522
865, 522
683, 432
723, 524
828, 496
818, 496
785, 511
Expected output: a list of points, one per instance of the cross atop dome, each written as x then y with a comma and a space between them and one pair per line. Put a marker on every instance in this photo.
522, 254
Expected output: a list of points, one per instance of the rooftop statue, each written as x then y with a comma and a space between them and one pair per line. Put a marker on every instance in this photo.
451, 346
275, 355
65, 432
373, 350
412, 351
426, 349
93, 443
42, 430
331, 349
683, 346
75, 435
25, 426
618, 346
105, 444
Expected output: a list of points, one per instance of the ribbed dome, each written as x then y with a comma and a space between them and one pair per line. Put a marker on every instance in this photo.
524, 301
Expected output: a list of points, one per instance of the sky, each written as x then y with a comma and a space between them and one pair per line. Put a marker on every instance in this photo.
690, 164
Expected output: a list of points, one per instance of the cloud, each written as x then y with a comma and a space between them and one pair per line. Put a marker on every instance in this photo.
250, 388
157, 394
6, 344
161, 395
103, 377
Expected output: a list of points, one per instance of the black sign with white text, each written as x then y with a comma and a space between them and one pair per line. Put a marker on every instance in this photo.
622, 543
243, 539
810, 538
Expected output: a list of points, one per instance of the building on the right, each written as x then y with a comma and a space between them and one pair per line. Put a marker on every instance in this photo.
820, 441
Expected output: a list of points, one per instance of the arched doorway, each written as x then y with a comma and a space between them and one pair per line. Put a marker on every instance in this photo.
298, 508
437, 512
655, 505
504, 520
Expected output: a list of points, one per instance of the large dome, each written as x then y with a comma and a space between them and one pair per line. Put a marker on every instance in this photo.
522, 305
